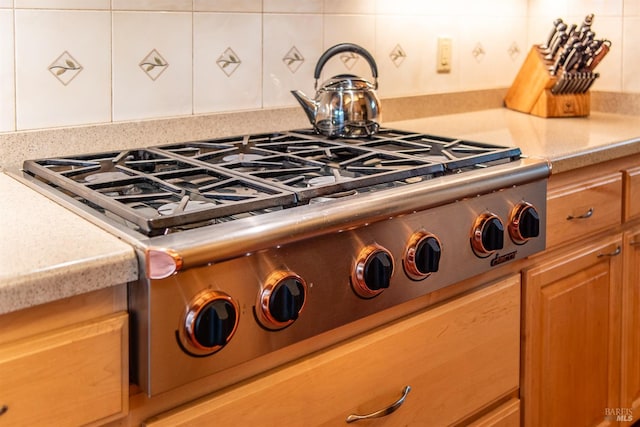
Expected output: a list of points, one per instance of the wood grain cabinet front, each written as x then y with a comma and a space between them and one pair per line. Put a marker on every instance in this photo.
571, 336
582, 206
630, 396
460, 358
631, 193
76, 375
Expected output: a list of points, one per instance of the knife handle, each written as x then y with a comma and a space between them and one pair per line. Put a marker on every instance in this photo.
601, 53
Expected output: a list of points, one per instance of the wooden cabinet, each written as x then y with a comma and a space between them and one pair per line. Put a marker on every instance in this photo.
75, 374
579, 205
630, 396
631, 203
459, 358
571, 340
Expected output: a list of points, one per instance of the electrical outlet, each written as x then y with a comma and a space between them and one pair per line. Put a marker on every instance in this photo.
443, 61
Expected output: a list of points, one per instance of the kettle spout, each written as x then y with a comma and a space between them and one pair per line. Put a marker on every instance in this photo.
309, 105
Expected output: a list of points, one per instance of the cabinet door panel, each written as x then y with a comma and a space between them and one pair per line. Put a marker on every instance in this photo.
631, 193
72, 376
572, 338
631, 325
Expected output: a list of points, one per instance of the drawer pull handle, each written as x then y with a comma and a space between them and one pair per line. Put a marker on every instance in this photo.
610, 254
635, 243
3, 409
382, 412
585, 215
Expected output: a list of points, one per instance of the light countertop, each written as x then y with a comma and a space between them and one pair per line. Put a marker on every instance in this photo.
49, 253
568, 142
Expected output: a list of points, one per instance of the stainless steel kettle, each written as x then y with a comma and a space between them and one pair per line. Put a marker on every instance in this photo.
345, 106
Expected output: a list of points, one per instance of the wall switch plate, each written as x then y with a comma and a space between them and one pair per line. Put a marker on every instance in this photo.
443, 61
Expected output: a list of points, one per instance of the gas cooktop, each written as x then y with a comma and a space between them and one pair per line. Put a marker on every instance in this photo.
163, 189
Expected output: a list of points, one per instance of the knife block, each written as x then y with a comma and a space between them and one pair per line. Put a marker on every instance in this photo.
531, 92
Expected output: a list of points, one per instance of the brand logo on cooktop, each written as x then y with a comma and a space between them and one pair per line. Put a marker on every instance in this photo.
500, 259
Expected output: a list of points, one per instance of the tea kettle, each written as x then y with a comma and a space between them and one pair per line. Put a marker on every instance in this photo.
345, 106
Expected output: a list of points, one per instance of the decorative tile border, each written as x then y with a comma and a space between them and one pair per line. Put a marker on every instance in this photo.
153, 64
513, 51
397, 55
349, 59
293, 59
65, 68
478, 52
228, 62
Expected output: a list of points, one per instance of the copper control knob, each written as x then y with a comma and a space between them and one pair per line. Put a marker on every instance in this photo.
209, 323
372, 271
524, 223
422, 255
487, 235
281, 300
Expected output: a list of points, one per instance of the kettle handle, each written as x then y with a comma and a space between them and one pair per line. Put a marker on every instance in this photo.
346, 47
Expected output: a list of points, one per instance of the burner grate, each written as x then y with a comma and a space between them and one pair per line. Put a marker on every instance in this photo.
156, 192
182, 185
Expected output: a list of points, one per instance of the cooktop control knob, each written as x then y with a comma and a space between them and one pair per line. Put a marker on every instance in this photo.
210, 321
372, 271
281, 299
422, 255
487, 235
524, 223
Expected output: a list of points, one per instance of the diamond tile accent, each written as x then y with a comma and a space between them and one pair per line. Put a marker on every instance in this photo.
349, 59
397, 55
293, 59
478, 52
513, 51
228, 62
153, 64
65, 68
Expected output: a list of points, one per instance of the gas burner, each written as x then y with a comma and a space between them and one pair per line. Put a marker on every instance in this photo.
185, 205
242, 157
105, 177
321, 180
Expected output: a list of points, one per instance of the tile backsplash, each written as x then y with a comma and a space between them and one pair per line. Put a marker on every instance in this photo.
76, 62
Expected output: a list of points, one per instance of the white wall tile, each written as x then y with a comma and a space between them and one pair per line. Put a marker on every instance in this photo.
227, 5
631, 8
631, 55
362, 7
62, 76
7, 83
486, 51
157, 5
599, 8
404, 55
152, 65
6, 3
284, 37
358, 29
292, 6
64, 4
227, 62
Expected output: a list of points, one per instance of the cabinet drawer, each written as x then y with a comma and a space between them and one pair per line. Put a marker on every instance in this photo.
506, 415
579, 209
72, 376
631, 193
457, 358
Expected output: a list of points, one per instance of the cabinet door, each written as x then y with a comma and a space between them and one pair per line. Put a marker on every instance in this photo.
630, 399
458, 358
68, 377
572, 336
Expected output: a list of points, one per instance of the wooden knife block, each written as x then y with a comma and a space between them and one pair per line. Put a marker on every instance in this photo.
531, 92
